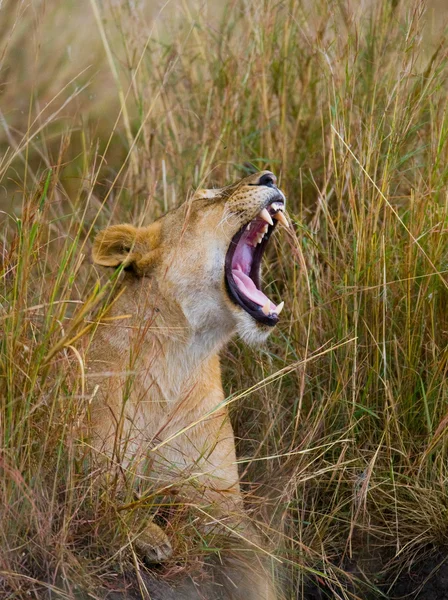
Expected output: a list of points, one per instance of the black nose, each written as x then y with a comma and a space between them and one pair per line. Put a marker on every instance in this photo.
267, 179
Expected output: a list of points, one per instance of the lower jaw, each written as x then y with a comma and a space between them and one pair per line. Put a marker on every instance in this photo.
254, 311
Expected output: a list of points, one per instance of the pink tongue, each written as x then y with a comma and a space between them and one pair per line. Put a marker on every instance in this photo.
249, 289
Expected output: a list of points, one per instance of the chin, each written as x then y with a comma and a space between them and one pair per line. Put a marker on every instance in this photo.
251, 331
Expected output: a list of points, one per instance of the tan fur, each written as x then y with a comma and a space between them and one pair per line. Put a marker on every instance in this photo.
156, 375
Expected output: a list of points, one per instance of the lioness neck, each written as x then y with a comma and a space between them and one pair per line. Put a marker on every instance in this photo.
165, 342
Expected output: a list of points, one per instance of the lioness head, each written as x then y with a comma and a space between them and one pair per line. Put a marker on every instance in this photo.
205, 256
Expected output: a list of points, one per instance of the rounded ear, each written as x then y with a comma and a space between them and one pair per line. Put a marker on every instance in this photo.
116, 245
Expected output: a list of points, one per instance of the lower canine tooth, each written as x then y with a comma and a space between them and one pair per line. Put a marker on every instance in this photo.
279, 308
265, 228
266, 308
280, 216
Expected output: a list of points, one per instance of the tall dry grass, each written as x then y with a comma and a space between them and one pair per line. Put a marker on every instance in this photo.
116, 111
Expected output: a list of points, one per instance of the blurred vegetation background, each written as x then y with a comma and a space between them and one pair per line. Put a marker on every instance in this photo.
117, 111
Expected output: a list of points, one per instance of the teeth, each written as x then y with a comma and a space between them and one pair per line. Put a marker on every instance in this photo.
266, 308
248, 227
280, 216
279, 308
265, 228
257, 239
264, 214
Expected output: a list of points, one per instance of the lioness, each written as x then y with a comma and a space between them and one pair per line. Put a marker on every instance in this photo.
191, 281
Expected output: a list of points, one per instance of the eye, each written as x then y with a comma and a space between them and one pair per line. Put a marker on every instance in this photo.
267, 179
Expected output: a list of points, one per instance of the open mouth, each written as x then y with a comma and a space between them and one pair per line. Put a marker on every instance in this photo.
243, 262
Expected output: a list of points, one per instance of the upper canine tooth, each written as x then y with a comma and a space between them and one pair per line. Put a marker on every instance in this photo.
280, 216
266, 308
264, 214
279, 308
